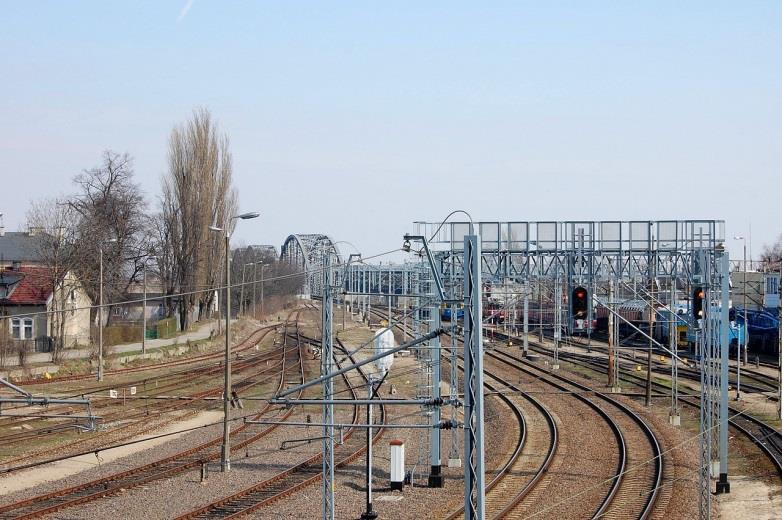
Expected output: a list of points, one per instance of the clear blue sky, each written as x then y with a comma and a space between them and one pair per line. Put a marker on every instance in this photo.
357, 118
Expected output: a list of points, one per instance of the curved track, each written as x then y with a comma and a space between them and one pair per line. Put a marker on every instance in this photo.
166, 467
764, 436
126, 424
631, 492
639, 481
292, 479
533, 451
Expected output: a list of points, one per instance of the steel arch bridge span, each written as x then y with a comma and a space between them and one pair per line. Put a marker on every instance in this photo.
306, 253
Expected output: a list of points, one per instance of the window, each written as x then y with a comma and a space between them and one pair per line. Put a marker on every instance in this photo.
28, 328
772, 285
16, 328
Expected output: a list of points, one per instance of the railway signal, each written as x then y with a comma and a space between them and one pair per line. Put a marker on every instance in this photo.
580, 303
697, 302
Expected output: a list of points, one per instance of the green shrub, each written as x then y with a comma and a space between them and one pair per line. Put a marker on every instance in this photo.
167, 327
119, 334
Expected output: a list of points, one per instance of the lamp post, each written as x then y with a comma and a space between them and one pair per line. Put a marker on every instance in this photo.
225, 452
744, 339
100, 311
255, 286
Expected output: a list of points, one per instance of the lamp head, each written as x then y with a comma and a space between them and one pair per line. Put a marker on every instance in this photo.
247, 216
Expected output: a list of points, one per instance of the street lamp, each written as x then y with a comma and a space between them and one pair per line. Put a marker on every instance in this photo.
225, 452
100, 309
744, 339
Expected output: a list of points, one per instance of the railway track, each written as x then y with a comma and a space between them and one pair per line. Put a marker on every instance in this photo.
162, 412
762, 383
534, 450
130, 370
287, 482
631, 492
243, 436
117, 410
638, 483
767, 438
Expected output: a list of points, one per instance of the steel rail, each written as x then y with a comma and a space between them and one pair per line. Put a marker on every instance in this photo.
303, 474
643, 426
156, 470
767, 438
520, 444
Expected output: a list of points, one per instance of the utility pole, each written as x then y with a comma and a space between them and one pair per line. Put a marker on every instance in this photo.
100, 318
370, 513
557, 321
326, 367
673, 417
611, 337
526, 319
648, 400
144, 311
242, 306
263, 266
540, 305
744, 338
779, 351
255, 285
436, 479
474, 464
100, 311
225, 453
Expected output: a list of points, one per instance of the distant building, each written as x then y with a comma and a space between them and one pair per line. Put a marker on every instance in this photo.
19, 247
27, 299
762, 290
29, 295
130, 310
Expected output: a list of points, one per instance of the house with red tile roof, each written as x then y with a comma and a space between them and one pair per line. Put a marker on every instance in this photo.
27, 302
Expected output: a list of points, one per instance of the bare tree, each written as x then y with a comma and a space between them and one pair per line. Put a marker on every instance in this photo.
111, 209
771, 257
55, 225
197, 193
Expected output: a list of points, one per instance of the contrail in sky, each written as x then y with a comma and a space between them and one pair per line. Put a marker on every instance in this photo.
184, 11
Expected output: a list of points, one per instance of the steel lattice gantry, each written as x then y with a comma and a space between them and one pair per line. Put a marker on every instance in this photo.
598, 250
306, 253
650, 259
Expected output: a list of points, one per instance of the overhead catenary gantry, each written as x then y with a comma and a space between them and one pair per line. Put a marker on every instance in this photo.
656, 262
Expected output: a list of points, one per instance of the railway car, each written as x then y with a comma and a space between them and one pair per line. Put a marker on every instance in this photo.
762, 329
493, 313
445, 314
685, 335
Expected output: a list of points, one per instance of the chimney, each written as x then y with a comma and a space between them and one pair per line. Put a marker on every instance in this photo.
2, 226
